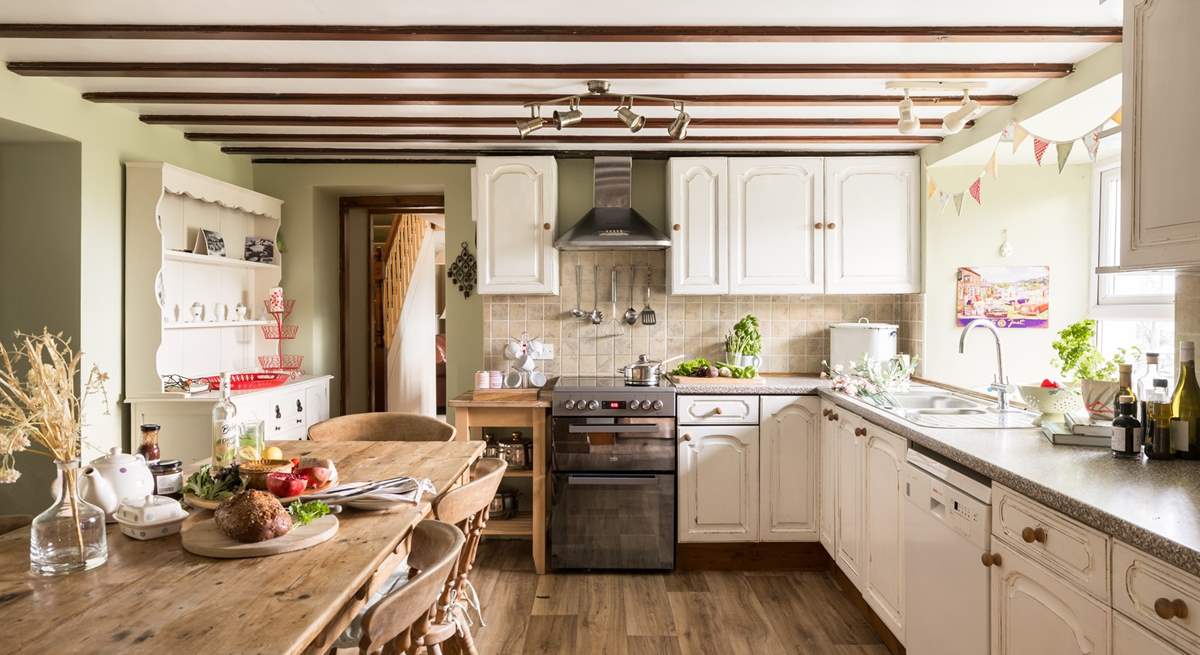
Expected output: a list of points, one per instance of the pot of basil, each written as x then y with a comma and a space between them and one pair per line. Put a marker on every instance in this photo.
1084, 366
743, 345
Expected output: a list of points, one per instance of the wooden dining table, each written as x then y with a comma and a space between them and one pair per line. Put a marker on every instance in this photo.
154, 597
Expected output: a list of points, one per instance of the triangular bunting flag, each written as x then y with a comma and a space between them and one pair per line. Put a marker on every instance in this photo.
976, 190
958, 198
943, 199
1091, 141
992, 168
1116, 117
931, 189
1039, 149
1019, 135
1064, 151
1007, 133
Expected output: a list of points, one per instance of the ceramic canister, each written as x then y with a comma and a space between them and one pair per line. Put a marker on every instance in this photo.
275, 300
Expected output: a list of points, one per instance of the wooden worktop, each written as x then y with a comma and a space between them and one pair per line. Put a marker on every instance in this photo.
154, 597
468, 400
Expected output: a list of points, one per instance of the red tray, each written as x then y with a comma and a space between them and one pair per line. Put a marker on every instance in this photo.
247, 381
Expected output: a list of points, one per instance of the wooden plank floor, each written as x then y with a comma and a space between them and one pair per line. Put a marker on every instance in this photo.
697, 612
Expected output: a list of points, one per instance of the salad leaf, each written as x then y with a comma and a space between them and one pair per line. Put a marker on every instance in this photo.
305, 513
202, 484
691, 367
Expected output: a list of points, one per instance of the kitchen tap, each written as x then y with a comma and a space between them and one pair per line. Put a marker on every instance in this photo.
999, 385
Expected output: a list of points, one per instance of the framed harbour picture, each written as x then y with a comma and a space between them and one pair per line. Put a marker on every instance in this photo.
260, 249
1008, 296
209, 242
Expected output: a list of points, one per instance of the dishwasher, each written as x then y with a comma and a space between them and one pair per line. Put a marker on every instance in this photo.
947, 530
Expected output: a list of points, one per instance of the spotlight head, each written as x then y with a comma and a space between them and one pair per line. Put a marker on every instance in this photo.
567, 118
678, 127
908, 122
631, 119
957, 119
529, 126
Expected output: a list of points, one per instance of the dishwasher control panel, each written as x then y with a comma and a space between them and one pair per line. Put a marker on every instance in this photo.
954, 508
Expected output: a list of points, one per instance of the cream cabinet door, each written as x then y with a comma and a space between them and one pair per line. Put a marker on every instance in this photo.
516, 209
788, 468
851, 443
774, 205
718, 483
871, 201
827, 450
1160, 201
883, 521
698, 212
1034, 612
1129, 638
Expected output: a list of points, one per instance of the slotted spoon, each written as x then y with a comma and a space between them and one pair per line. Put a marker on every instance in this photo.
631, 314
648, 316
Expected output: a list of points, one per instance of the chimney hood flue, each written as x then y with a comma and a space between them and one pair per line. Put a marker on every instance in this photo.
612, 224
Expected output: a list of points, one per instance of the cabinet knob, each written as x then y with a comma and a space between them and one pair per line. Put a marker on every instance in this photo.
546, 226
817, 226
990, 559
676, 227
687, 437
826, 412
1031, 535
717, 411
835, 417
860, 432
1171, 609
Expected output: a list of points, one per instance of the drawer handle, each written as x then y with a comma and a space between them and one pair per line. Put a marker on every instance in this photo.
1170, 609
687, 437
860, 432
834, 417
990, 559
717, 411
1031, 535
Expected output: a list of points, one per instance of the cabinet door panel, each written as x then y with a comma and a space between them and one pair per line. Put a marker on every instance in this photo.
1160, 201
1035, 611
718, 483
883, 520
850, 547
788, 467
828, 476
869, 202
517, 200
774, 246
698, 207
1130, 638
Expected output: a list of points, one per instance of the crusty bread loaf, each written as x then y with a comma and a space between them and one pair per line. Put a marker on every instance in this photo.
252, 516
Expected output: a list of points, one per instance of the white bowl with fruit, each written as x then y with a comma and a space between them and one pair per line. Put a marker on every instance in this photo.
1052, 399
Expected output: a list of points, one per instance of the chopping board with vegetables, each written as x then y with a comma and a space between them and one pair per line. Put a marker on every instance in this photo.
703, 370
305, 476
204, 538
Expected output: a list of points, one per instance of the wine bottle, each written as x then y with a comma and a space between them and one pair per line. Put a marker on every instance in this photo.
225, 431
1145, 384
1126, 429
1125, 388
1185, 405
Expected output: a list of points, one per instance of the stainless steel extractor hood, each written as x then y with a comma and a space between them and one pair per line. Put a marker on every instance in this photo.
612, 224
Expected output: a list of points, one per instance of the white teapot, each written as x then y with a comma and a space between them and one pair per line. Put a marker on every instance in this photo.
114, 478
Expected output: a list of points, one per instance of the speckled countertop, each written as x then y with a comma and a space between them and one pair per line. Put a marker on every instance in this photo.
1154, 506
769, 385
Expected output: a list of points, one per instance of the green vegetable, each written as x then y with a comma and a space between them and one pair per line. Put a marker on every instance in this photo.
739, 372
745, 339
1077, 357
203, 485
305, 513
692, 368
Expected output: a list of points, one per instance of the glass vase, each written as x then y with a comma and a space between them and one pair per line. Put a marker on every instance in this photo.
69, 536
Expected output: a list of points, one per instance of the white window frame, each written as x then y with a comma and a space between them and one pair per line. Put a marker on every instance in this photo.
1102, 307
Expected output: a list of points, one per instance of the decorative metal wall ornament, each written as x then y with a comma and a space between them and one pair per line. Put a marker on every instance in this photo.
462, 271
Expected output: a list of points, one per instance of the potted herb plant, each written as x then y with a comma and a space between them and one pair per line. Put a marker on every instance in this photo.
743, 345
1084, 366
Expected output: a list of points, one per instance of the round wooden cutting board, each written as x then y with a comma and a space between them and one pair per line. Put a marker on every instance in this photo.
203, 538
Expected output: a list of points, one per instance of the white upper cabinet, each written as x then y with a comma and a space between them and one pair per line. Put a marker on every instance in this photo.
869, 202
774, 246
788, 468
718, 483
1160, 201
516, 206
698, 212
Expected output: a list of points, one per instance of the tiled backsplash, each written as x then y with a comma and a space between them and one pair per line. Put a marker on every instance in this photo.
795, 329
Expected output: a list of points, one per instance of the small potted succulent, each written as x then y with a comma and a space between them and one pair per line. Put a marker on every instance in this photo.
1084, 366
743, 345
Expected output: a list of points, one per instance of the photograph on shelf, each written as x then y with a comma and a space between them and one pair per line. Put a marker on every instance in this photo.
209, 242
260, 249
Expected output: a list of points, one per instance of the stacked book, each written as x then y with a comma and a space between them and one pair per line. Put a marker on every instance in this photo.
1079, 430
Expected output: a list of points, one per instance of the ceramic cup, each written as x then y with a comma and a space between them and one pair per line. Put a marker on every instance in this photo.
197, 312
240, 312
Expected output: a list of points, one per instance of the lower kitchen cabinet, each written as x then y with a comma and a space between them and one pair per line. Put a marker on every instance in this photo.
883, 521
1034, 612
1129, 638
788, 468
851, 448
827, 491
718, 483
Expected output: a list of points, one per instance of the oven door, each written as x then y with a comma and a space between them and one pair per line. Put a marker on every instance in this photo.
613, 444
609, 521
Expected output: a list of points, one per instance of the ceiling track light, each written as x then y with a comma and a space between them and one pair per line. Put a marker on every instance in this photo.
678, 127
908, 122
952, 122
957, 119
570, 117
633, 120
535, 122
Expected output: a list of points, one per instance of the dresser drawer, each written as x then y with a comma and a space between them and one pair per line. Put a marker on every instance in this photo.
717, 410
1069, 548
1140, 582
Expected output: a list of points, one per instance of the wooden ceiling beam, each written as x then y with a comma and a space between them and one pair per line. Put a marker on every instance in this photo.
157, 69
427, 156
509, 121
476, 99
573, 33
631, 139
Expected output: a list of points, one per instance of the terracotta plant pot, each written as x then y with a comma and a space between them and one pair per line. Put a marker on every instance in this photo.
1098, 398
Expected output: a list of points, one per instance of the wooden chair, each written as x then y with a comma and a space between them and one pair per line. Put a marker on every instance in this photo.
466, 507
10, 522
382, 426
401, 621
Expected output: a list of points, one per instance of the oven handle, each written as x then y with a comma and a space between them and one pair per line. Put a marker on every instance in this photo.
595, 481
614, 429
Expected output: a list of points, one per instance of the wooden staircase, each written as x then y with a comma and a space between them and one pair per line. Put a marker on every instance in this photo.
399, 258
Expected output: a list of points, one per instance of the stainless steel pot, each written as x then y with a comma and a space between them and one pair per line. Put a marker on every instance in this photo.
644, 372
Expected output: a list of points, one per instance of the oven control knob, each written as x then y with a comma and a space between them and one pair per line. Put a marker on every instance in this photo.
658, 404
593, 405
635, 404
570, 404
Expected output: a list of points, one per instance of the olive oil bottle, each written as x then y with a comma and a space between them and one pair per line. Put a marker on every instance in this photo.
1185, 405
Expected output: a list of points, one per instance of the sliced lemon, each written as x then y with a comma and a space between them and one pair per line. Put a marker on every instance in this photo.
248, 453
273, 453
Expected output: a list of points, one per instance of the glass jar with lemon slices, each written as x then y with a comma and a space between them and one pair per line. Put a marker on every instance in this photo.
250, 444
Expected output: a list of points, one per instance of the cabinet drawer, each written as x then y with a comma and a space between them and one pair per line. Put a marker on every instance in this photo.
1065, 546
1141, 581
718, 410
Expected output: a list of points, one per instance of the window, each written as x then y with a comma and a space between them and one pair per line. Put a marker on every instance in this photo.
1122, 295
1149, 336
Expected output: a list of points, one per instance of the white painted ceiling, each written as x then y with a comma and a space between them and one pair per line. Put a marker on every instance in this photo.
1071, 13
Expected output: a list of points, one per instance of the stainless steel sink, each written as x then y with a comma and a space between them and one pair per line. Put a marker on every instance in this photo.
942, 409
933, 400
